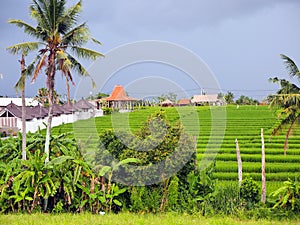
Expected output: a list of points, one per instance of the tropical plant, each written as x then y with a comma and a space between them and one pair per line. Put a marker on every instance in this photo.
42, 97
57, 36
289, 195
288, 99
20, 86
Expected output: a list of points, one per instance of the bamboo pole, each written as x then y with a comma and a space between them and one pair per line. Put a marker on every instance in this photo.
239, 159
263, 168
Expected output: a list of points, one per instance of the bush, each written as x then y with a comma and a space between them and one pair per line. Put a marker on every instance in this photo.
106, 110
249, 191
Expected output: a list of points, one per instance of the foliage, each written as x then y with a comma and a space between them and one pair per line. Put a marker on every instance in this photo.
42, 97
171, 96
244, 100
289, 195
249, 191
288, 99
107, 110
229, 97
59, 40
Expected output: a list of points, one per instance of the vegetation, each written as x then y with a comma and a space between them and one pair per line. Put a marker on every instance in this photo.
287, 99
74, 183
58, 35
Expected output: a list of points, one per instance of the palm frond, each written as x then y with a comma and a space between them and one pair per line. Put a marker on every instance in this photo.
86, 53
96, 41
24, 47
290, 66
41, 63
77, 36
285, 100
28, 29
289, 116
79, 68
69, 18
20, 84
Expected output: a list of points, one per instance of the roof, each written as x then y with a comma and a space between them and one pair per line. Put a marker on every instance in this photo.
18, 101
118, 94
16, 111
205, 98
83, 104
37, 111
167, 102
184, 101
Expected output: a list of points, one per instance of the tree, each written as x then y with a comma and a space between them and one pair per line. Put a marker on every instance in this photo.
42, 97
245, 100
288, 99
58, 35
229, 97
171, 96
20, 85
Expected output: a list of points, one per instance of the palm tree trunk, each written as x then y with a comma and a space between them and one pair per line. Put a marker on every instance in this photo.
286, 143
23, 109
68, 91
50, 86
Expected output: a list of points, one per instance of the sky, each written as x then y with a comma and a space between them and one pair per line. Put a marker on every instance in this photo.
240, 41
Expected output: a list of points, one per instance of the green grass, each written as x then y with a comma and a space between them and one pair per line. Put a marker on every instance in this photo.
243, 124
129, 219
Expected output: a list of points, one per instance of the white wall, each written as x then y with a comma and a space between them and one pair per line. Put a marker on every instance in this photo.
33, 125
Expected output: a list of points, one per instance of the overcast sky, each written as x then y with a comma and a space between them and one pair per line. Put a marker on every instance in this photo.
239, 40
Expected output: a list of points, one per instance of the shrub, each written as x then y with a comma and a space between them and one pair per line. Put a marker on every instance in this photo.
249, 191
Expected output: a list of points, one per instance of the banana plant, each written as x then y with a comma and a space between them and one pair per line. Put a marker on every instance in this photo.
34, 177
289, 195
113, 190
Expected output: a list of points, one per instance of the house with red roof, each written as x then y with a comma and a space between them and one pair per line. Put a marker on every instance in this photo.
184, 102
118, 99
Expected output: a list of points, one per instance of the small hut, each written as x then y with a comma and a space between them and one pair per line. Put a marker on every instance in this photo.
167, 103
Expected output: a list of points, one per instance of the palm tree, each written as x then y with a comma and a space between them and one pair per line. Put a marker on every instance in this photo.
58, 35
288, 99
20, 86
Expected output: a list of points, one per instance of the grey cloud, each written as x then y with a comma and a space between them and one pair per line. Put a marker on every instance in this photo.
176, 14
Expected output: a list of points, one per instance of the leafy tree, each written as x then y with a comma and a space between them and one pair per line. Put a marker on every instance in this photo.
57, 35
287, 99
244, 100
171, 96
229, 97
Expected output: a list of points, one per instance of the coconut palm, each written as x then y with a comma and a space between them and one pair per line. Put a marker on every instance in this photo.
288, 99
58, 37
20, 86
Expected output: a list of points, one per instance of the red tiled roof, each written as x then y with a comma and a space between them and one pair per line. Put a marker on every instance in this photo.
118, 94
184, 101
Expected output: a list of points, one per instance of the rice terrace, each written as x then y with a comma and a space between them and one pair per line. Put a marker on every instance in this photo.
150, 134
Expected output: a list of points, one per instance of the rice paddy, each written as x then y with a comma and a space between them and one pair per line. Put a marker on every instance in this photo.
216, 130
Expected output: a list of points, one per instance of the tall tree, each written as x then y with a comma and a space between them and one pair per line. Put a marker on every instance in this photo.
58, 36
20, 85
288, 99
229, 97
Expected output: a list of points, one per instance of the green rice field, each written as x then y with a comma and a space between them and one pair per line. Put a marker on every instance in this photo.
216, 130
